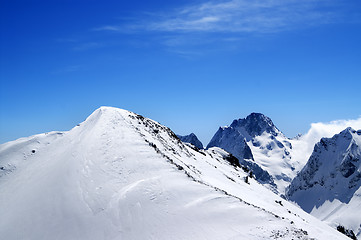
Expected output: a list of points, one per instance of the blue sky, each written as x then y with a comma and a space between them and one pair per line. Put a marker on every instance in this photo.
191, 65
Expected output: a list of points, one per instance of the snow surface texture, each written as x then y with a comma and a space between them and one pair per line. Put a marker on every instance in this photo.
119, 175
191, 138
329, 184
261, 146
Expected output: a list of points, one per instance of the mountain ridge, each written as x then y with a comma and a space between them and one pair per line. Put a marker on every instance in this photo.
331, 179
119, 175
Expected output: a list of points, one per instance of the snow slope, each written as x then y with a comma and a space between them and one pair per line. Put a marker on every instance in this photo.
330, 183
337, 213
119, 175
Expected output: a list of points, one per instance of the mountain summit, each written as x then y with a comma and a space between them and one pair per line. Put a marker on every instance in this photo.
261, 146
254, 125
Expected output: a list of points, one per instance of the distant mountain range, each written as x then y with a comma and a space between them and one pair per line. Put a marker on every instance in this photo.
119, 175
192, 139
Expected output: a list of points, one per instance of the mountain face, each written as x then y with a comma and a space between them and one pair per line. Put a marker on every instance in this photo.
192, 139
232, 141
254, 125
261, 146
329, 184
119, 175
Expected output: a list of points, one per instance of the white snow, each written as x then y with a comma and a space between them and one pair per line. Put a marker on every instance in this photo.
274, 159
337, 213
121, 176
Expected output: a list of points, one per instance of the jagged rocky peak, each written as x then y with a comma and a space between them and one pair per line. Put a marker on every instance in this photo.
234, 139
261, 146
192, 139
256, 124
333, 171
349, 133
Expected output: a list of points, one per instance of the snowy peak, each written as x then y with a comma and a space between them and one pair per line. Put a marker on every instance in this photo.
246, 137
107, 115
241, 131
329, 185
345, 149
192, 139
255, 124
109, 120
333, 170
256, 138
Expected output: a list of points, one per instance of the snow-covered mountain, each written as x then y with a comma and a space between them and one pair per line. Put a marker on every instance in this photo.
192, 139
119, 175
261, 146
329, 184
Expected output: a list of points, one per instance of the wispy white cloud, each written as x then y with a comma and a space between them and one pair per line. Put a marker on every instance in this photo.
87, 46
319, 130
240, 16
210, 22
185, 54
69, 69
108, 28
66, 40
246, 16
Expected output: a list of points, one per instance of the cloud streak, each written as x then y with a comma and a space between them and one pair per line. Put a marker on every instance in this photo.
240, 16
230, 22
246, 16
87, 46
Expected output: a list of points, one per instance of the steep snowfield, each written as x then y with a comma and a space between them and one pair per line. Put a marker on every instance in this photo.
121, 176
337, 213
273, 154
330, 183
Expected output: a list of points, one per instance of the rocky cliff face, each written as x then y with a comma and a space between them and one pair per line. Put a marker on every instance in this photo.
254, 125
192, 139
